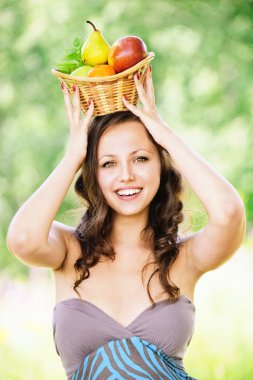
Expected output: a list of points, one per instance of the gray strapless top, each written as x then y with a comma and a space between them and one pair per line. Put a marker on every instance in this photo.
80, 327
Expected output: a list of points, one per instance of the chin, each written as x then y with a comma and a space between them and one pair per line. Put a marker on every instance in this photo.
129, 212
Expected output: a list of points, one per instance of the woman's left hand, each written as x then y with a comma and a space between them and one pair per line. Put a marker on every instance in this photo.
148, 114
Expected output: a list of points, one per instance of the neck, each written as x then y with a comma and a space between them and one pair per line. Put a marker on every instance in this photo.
127, 234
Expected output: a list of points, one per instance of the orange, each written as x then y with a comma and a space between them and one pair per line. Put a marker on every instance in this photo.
101, 71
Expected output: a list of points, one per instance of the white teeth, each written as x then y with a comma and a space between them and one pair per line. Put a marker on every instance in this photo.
129, 192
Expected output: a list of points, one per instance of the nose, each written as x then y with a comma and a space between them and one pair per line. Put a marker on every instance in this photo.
126, 173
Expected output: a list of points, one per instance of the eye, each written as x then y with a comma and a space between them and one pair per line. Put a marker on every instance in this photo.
108, 164
141, 159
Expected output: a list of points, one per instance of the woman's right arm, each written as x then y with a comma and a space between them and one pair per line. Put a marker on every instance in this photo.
34, 236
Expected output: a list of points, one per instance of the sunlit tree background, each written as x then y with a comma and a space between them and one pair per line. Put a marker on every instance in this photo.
204, 88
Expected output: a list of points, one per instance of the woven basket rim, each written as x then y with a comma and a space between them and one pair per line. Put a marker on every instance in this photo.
108, 78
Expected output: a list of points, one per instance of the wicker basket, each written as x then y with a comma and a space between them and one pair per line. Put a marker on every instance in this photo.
107, 92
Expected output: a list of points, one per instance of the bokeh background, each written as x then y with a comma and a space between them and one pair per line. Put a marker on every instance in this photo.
204, 88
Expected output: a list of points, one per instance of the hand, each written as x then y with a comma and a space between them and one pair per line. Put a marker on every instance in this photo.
78, 140
148, 114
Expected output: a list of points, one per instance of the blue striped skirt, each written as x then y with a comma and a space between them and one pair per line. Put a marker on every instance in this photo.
131, 358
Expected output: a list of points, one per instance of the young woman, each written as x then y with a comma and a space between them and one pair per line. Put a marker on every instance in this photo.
124, 277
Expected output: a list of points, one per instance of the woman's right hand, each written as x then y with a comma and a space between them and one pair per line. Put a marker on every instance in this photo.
78, 126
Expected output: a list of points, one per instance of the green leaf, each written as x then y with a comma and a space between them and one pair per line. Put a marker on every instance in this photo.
70, 51
72, 57
68, 63
78, 41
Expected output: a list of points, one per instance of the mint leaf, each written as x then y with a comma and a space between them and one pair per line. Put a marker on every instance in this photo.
78, 41
72, 57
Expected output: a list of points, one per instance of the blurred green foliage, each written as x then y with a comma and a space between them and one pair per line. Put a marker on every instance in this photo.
202, 74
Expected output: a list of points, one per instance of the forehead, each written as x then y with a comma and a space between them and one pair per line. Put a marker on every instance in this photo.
125, 136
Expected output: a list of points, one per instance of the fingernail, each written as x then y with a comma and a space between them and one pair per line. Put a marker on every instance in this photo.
62, 85
138, 76
150, 68
74, 87
89, 102
124, 96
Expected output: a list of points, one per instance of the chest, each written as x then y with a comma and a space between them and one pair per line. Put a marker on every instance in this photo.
119, 290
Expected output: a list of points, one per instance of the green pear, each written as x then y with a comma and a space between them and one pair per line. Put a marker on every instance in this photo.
95, 49
81, 71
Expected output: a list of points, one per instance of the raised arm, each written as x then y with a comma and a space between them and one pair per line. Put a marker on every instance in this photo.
33, 235
224, 232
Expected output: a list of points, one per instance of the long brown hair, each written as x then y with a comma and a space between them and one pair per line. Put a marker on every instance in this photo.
165, 211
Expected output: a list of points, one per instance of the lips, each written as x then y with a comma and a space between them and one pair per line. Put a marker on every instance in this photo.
129, 197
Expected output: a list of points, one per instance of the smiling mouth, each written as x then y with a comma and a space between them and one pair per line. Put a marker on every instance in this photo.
128, 194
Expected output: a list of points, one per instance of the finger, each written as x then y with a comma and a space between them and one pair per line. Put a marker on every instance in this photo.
135, 110
149, 87
88, 116
143, 116
141, 93
76, 110
67, 102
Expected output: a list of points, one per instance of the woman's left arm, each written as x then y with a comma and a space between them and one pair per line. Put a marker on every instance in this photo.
224, 232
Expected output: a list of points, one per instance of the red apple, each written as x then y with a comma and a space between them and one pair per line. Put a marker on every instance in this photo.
126, 52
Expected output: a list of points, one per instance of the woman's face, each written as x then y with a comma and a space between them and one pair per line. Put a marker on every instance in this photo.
129, 168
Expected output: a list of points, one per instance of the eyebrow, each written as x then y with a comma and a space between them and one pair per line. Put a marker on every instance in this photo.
130, 154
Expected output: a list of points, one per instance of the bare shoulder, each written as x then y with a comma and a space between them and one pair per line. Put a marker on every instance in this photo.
65, 274
185, 258
182, 273
73, 250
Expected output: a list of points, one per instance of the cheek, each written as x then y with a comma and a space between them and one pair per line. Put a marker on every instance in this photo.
155, 170
156, 175
104, 180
